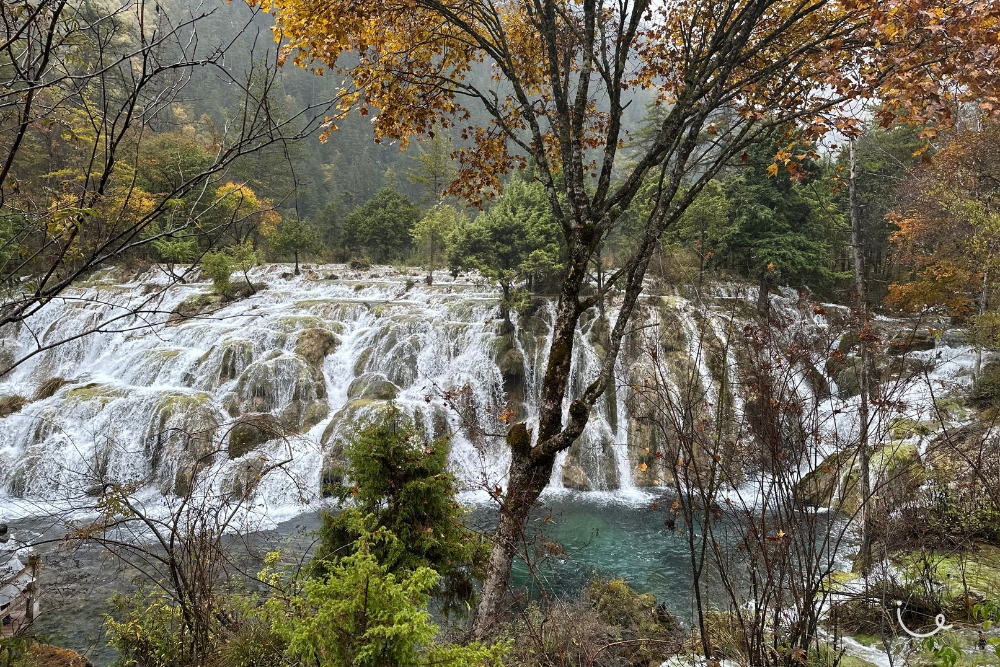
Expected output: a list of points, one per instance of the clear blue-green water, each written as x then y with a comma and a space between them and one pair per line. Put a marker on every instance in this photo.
598, 537
606, 539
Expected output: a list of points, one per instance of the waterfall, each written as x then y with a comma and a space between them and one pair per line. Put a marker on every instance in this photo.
309, 356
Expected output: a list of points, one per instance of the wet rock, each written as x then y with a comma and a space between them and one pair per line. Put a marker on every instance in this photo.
354, 413
314, 345
246, 477
272, 384
916, 340
237, 354
896, 469
372, 387
512, 369
300, 416
195, 305
251, 432
574, 476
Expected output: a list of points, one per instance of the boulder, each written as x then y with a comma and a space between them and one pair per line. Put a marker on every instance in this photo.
916, 340
272, 384
314, 345
250, 432
237, 354
574, 476
372, 387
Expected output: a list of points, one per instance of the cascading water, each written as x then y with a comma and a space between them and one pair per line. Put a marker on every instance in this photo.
309, 357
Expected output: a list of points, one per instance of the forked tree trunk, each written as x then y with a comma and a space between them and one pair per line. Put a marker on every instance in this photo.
531, 467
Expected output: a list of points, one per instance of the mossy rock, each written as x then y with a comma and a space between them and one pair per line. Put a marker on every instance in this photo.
247, 477
512, 368
195, 305
11, 404
314, 345
237, 354
294, 323
819, 486
361, 365
251, 432
353, 413
372, 387
95, 391
270, 384
299, 416
902, 428
574, 476
848, 380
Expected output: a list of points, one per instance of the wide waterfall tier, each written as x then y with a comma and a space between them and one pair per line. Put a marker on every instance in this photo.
286, 373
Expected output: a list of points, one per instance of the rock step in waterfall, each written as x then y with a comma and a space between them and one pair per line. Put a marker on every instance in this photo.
289, 371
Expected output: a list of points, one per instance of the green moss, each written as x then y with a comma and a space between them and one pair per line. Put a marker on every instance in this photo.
902, 428
298, 322
94, 391
867, 640
952, 409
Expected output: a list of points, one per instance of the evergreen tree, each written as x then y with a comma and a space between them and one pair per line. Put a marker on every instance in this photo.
435, 169
402, 480
432, 233
772, 235
295, 236
516, 240
381, 226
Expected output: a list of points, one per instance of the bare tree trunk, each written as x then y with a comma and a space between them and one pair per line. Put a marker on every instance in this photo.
864, 455
763, 302
528, 478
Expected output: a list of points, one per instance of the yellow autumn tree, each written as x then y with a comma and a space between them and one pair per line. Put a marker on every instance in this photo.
727, 73
243, 213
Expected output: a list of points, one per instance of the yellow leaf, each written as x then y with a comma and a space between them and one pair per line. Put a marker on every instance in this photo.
772, 170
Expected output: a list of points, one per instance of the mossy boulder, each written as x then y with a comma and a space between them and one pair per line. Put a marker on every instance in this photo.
819, 486
352, 414
511, 366
372, 387
272, 384
916, 340
237, 354
848, 379
252, 431
897, 473
95, 391
195, 305
314, 345
301, 416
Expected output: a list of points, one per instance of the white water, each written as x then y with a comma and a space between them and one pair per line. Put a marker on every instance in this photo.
134, 391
